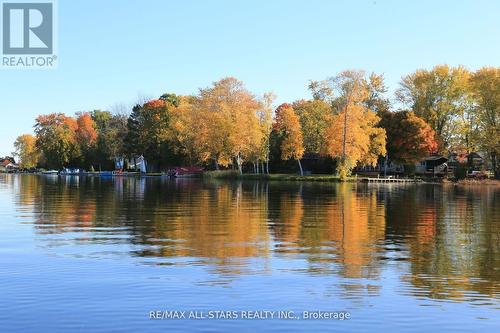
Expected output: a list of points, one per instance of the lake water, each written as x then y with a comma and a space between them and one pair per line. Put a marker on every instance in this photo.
99, 255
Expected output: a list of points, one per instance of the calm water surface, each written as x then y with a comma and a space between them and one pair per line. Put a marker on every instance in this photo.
97, 255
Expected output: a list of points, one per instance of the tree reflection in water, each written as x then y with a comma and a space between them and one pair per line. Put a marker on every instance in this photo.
443, 239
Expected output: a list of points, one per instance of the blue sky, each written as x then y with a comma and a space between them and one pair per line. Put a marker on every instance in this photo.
112, 52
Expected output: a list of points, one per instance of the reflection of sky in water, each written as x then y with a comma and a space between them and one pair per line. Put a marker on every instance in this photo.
387, 252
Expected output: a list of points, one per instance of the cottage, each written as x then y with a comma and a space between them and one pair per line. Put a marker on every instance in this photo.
8, 164
476, 161
435, 165
135, 163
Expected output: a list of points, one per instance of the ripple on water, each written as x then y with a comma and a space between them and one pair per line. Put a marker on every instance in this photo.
95, 255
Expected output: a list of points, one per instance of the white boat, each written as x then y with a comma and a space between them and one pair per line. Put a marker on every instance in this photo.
70, 172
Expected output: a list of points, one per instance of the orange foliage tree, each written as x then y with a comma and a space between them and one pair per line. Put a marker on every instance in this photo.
287, 124
409, 138
86, 136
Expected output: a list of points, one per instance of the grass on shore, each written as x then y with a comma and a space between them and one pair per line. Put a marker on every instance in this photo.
233, 174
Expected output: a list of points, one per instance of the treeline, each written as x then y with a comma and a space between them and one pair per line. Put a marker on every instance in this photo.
349, 121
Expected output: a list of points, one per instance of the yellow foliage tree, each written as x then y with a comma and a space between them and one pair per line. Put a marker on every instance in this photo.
485, 84
440, 96
190, 128
26, 151
288, 124
353, 136
229, 128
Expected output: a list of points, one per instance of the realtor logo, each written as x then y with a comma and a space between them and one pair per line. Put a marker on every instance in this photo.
28, 34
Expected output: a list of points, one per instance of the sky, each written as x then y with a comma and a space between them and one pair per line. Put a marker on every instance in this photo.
113, 53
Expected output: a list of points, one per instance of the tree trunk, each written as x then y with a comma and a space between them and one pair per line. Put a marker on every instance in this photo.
344, 131
267, 166
385, 164
239, 162
216, 164
300, 167
495, 166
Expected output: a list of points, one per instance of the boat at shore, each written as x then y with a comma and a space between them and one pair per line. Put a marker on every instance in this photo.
178, 172
185, 172
71, 172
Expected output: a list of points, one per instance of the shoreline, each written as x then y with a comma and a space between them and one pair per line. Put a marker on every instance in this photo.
324, 178
321, 178
229, 174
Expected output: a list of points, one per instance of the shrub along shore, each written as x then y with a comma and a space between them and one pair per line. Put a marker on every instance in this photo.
235, 175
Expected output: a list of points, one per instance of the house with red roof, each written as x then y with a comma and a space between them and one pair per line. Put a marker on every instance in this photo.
8, 164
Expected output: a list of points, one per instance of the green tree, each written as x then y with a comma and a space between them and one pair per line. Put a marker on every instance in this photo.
149, 132
111, 132
266, 122
314, 118
170, 98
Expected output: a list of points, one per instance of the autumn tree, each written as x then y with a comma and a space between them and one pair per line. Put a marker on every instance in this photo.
314, 118
441, 97
230, 130
353, 136
186, 123
409, 138
377, 100
211, 127
26, 151
374, 89
485, 86
265, 117
86, 136
111, 132
149, 132
56, 139
287, 124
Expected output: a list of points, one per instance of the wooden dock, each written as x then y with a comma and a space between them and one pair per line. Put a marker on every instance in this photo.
390, 180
